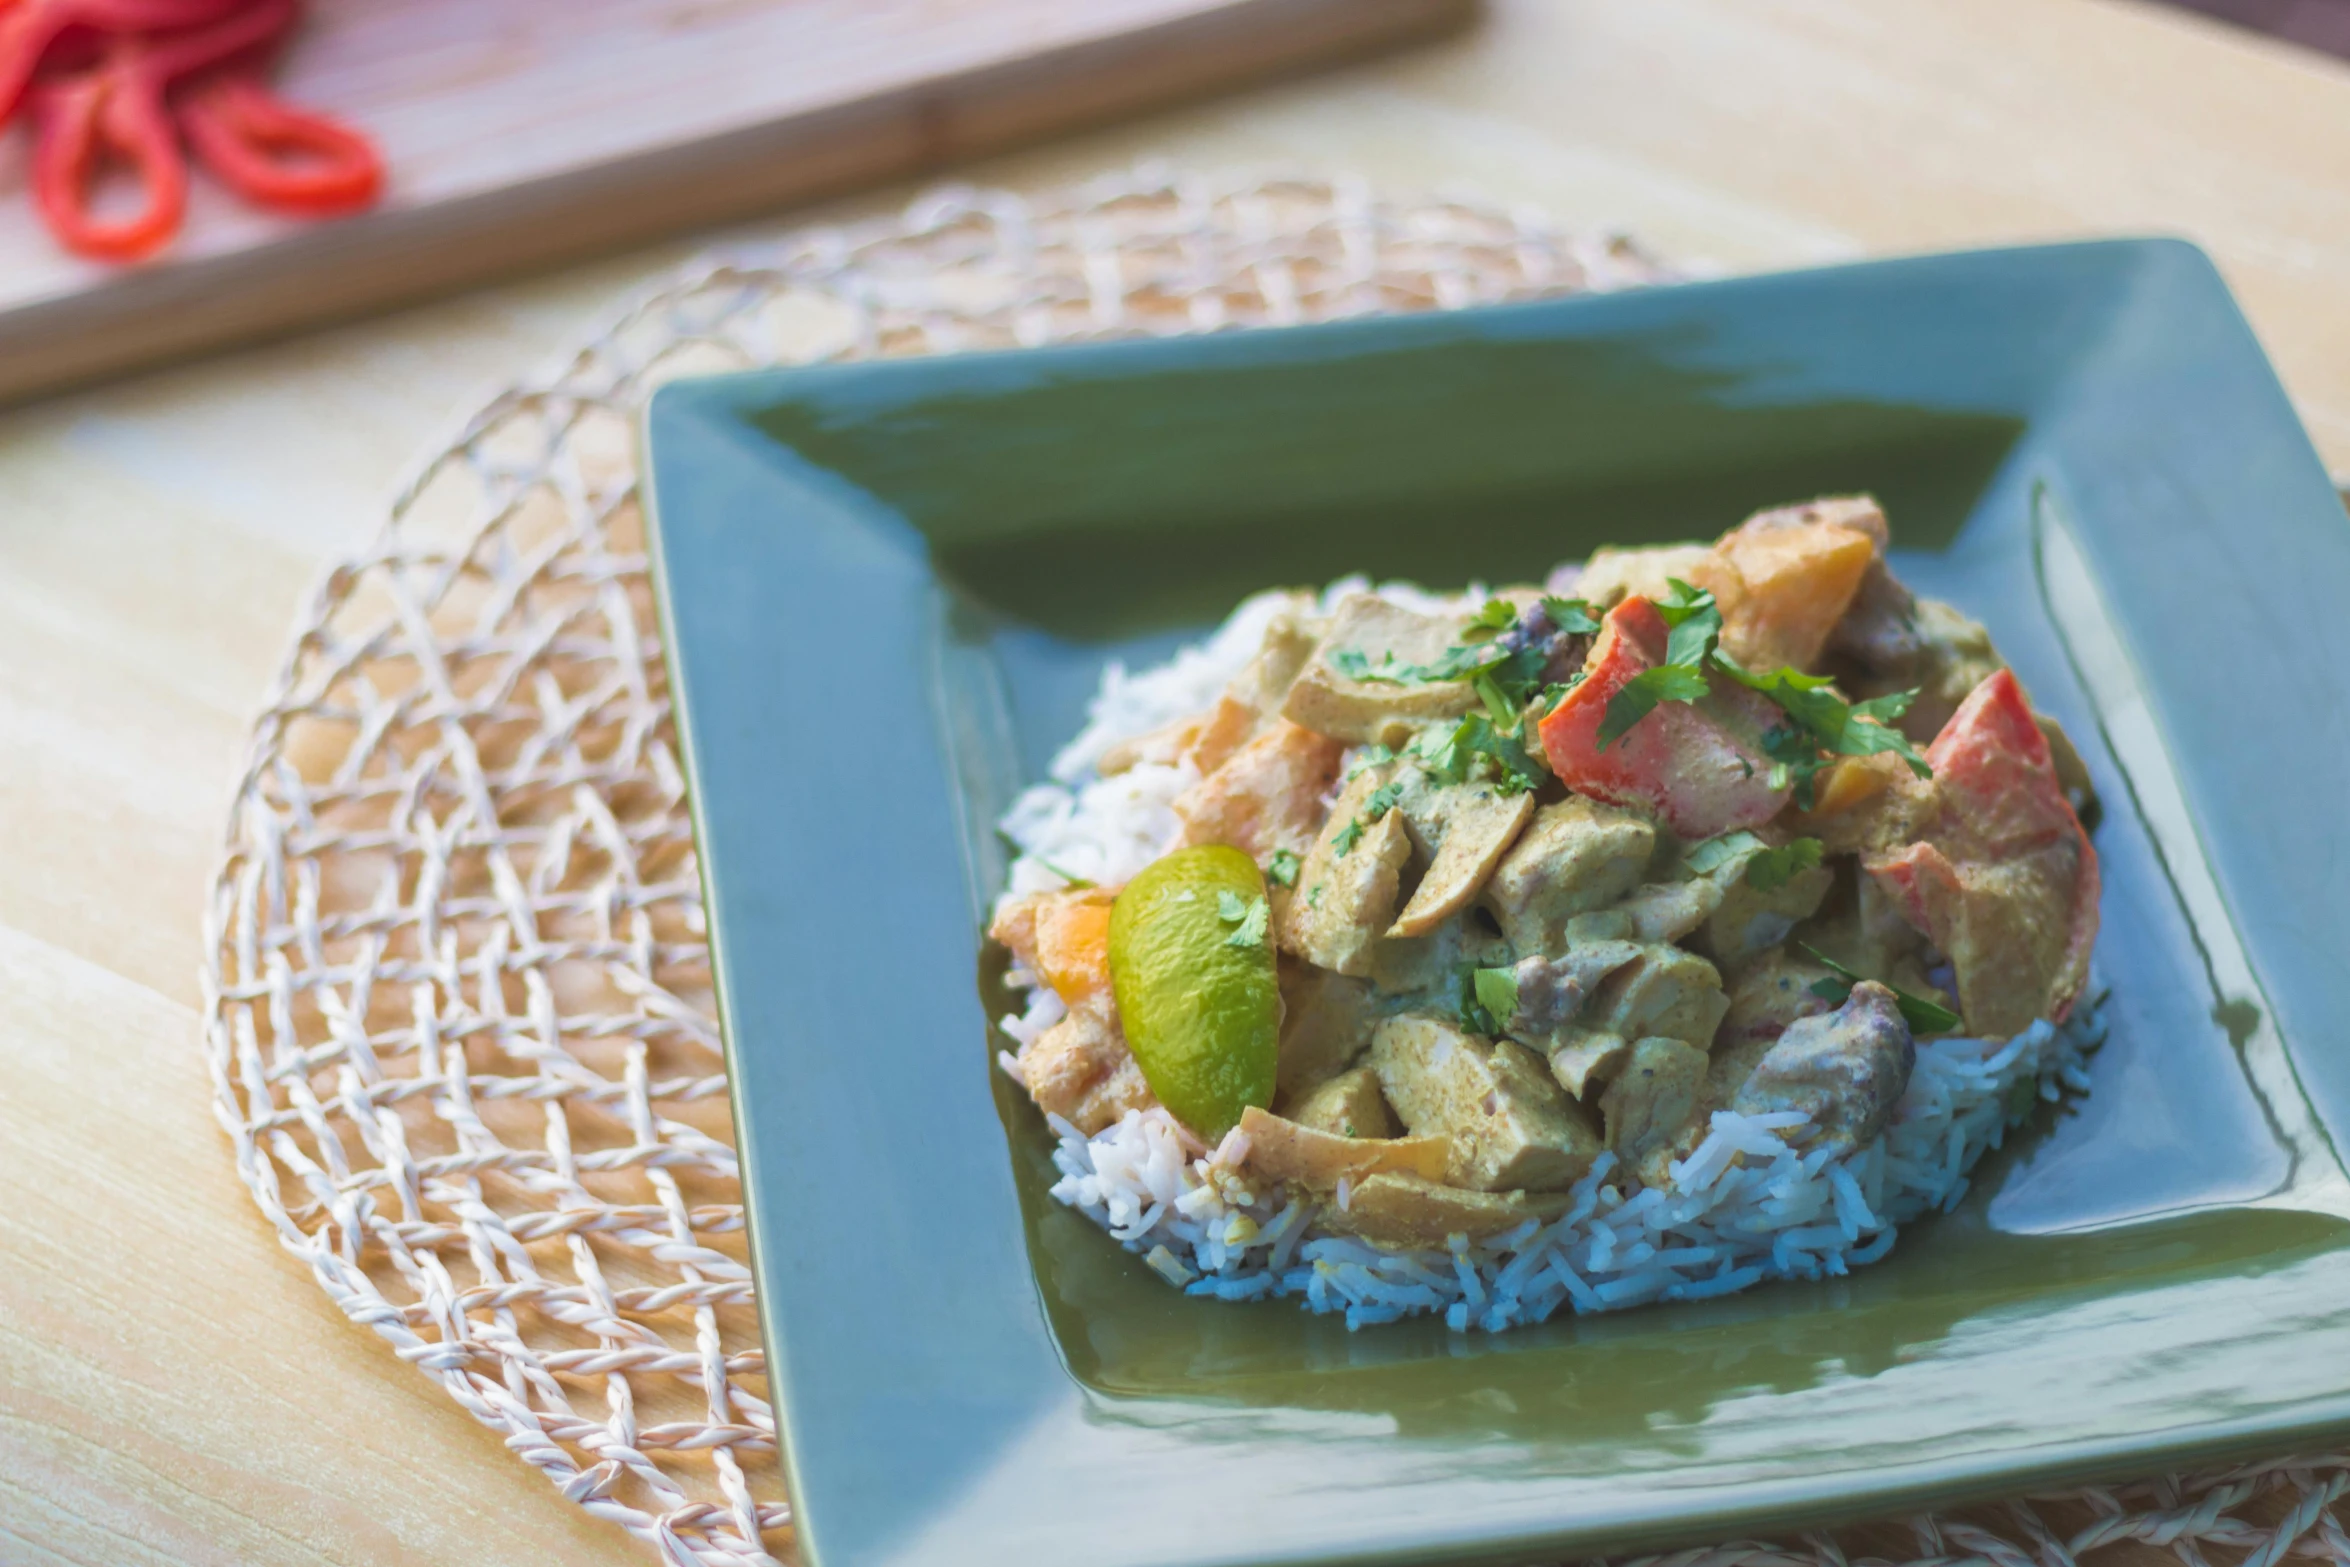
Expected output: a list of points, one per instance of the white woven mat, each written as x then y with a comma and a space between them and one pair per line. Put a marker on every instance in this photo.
457, 995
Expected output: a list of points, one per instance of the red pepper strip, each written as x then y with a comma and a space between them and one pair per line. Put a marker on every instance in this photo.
30, 28
1681, 760
272, 153
117, 106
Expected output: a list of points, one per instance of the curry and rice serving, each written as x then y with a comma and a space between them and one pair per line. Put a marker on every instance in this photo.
1696, 918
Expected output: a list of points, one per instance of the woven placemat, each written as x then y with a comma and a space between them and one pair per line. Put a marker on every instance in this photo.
457, 995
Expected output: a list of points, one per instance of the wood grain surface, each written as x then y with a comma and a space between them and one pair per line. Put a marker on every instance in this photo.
519, 133
173, 1390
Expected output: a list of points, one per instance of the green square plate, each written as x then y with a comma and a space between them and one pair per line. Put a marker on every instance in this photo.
889, 588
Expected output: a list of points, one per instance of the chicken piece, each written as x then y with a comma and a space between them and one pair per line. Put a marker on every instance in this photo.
1081, 1070
1407, 1211
1768, 994
1325, 1023
1508, 1124
1345, 898
1348, 1105
1799, 568
1751, 920
1860, 927
1061, 937
1664, 991
1698, 765
1653, 1107
2002, 879
1573, 857
1585, 1059
1332, 703
1266, 796
1669, 910
1283, 1150
1847, 1071
1464, 829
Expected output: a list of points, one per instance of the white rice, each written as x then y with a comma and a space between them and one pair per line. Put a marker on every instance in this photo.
1742, 1208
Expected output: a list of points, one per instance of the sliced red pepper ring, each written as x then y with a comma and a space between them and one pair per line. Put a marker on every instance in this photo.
29, 28
84, 123
272, 153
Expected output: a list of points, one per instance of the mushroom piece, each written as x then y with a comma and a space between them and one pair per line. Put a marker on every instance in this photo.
1573, 858
1585, 1058
1669, 910
1325, 1023
1846, 1071
1348, 883
1465, 829
1348, 1105
1331, 702
1665, 990
1652, 1107
1749, 920
1407, 1210
1286, 1151
1508, 1124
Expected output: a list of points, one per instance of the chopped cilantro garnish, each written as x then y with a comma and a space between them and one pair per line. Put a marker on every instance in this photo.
1474, 747
1823, 722
1249, 914
1772, 869
1314, 898
1922, 1016
1368, 757
1383, 799
1496, 990
1495, 615
1454, 663
1474, 1015
1639, 696
1283, 867
1572, 616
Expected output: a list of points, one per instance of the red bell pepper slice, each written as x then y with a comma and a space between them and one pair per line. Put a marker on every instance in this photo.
2004, 880
1680, 761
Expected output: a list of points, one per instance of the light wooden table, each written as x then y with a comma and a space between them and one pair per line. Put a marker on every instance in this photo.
173, 1390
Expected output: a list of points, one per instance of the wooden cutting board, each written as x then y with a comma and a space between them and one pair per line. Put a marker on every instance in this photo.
522, 132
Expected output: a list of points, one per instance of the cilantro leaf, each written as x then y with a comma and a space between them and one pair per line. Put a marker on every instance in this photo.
1639, 696
1774, 868
1454, 663
1383, 799
1922, 1016
1572, 616
1369, 757
1495, 615
1283, 867
1496, 990
1473, 1012
1253, 917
